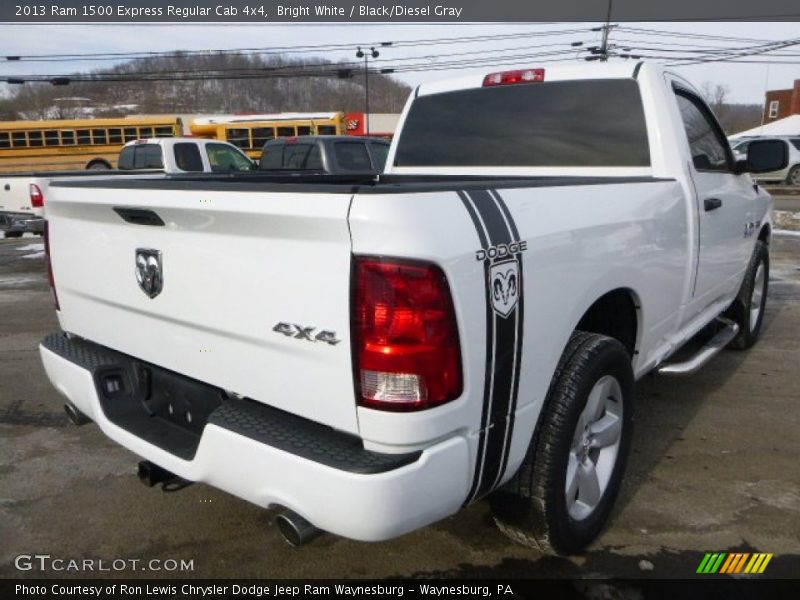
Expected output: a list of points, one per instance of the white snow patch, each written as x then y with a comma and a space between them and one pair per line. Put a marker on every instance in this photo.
30, 247
35, 255
786, 232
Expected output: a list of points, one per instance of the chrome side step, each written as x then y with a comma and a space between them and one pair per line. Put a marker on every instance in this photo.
706, 353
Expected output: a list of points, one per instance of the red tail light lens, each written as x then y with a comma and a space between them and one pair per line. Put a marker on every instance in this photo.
405, 337
37, 198
50, 279
511, 77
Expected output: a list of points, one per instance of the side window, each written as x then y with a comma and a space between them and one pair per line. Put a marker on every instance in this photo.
352, 156
379, 153
706, 142
295, 156
187, 157
222, 157
35, 139
261, 135
5, 139
239, 137
773, 109
795, 142
126, 158
51, 137
272, 158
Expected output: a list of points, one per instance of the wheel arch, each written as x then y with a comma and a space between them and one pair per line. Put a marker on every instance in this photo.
617, 314
98, 161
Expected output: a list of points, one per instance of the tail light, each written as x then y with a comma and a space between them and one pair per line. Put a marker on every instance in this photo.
511, 77
49, 264
37, 198
405, 339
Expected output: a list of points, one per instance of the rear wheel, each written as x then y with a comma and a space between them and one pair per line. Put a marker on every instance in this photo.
564, 491
13, 234
748, 308
99, 166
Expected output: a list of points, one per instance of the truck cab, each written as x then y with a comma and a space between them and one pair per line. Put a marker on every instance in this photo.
183, 155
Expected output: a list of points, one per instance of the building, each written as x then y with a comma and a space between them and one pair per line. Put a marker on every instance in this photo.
780, 104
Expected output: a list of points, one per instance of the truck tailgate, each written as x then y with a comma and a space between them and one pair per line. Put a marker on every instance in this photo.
250, 280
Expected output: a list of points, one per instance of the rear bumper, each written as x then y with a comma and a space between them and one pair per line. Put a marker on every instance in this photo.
271, 458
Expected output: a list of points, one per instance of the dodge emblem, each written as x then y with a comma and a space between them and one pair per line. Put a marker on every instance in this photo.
149, 271
504, 286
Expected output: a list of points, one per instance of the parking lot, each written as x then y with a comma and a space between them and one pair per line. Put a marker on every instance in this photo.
713, 468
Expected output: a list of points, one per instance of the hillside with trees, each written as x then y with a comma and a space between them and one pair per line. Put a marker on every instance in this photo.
208, 83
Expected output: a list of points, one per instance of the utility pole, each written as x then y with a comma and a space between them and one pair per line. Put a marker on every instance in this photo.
366, 56
606, 31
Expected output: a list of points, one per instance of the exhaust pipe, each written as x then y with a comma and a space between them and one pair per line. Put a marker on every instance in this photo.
150, 474
295, 529
75, 415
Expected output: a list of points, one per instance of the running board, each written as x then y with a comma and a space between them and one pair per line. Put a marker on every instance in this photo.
706, 353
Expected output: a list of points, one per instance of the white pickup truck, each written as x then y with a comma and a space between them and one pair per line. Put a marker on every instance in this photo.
373, 354
22, 195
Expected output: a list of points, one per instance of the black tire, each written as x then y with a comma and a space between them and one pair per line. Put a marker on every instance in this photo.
532, 507
98, 165
793, 178
741, 309
13, 234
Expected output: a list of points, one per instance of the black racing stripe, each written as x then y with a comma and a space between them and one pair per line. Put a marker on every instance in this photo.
520, 317
479, 228
500, 366
504, 209
475, 221
491, 216
501, 396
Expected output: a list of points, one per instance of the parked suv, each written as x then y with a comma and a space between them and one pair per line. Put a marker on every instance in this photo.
333, 154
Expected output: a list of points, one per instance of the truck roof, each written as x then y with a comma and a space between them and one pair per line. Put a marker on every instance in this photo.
596, 70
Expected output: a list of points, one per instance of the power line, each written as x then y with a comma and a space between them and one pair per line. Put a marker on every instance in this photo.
100, 56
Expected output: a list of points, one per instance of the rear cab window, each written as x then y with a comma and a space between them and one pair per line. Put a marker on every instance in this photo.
141, 156
380, 151
291, 157
352, 156
543, 124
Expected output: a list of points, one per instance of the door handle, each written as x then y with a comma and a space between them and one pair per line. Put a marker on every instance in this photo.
710, 204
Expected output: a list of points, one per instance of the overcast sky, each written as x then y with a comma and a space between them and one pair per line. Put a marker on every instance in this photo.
746, 82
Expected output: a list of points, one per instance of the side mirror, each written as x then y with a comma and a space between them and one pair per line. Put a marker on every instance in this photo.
764, 156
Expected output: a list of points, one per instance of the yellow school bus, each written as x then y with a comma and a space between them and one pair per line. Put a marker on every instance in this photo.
251, 132
75, 144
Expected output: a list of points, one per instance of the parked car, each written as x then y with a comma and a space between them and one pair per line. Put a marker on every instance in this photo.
374, 353
789, 175
332, 154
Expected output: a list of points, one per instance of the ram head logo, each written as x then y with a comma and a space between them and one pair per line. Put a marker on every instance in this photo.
149, 271
504, 286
